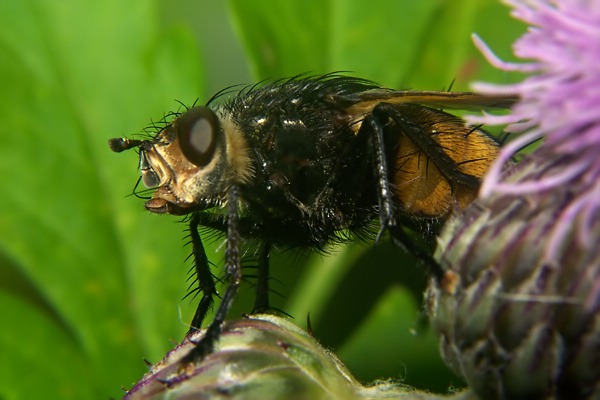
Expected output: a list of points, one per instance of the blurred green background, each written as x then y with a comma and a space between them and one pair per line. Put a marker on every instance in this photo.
90, 284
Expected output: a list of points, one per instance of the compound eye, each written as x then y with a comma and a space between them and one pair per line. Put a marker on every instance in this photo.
197, 131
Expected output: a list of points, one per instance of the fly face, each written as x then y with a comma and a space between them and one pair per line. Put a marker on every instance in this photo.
187, 162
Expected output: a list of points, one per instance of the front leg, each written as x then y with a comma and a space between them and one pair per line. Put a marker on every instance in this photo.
233, 277
206, 281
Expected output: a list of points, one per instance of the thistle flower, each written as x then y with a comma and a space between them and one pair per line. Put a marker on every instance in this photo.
560, 102
518, 310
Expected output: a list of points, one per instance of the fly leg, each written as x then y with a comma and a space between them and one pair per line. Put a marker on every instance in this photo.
206, 281
404, 117
233, 277
377, 123
387, 212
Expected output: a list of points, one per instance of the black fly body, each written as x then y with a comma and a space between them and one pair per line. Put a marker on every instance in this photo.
302, 162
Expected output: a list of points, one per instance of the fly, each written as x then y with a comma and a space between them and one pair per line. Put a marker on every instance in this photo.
301, 162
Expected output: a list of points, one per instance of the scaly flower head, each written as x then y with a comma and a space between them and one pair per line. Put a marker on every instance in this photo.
518, 309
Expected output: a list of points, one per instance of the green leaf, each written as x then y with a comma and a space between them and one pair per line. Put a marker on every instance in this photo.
423, 45
73, 74
39, 360
394, 343
288, 38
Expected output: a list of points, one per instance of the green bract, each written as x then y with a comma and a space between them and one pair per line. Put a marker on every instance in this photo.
263, 357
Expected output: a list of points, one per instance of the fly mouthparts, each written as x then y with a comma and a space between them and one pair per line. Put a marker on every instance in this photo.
120, 144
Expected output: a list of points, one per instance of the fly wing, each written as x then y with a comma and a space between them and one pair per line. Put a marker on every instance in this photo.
364, 102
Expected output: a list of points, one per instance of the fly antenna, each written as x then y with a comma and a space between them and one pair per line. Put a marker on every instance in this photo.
121, 144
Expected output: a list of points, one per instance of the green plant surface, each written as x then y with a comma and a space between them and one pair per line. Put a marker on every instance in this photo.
90, 284
401, 44
85, 267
